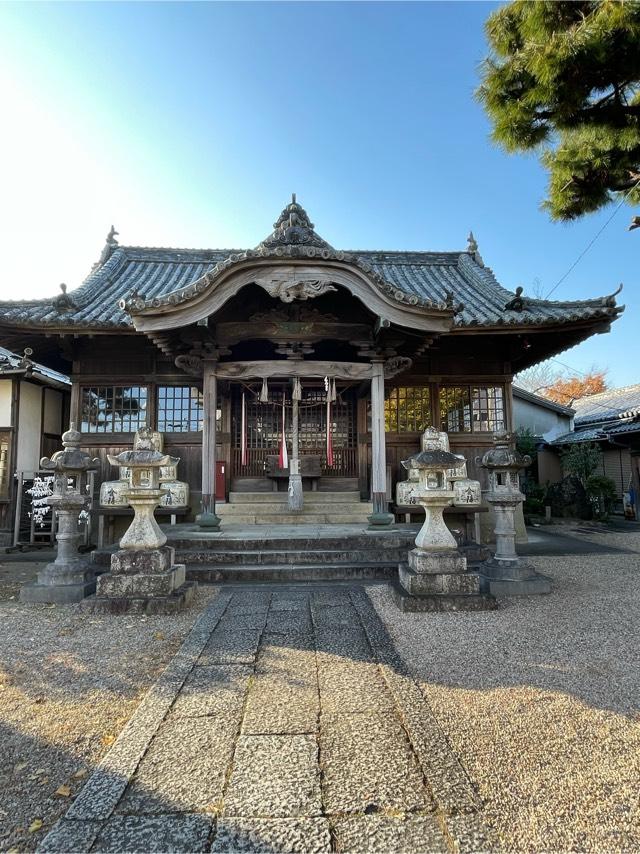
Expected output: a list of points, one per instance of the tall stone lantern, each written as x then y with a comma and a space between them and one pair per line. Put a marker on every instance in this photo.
436, 576
143, 577
505, 574
70, 577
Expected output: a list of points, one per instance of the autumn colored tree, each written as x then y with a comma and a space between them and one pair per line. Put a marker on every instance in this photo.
563, 79
568, 389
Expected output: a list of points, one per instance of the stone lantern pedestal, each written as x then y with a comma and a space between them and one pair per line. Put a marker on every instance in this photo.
70, 578
505, 574
143, 577
436, 576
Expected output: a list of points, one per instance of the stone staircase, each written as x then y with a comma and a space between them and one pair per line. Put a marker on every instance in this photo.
279, 556
270, 508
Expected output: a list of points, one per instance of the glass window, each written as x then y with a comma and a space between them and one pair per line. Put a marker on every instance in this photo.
179, 409
5, 460
113, 409
407, 409
472, 409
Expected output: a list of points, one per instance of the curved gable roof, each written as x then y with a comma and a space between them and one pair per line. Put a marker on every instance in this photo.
435, 280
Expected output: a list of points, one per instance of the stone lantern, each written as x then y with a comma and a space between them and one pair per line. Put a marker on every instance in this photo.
144, 577
505, 574
70, 577
436, 576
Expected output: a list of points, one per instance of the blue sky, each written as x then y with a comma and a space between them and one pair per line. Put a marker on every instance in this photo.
191, 124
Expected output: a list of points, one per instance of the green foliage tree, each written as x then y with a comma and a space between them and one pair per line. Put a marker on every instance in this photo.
564, 78
582, 460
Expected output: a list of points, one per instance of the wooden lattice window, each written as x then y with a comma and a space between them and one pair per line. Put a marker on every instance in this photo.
180, 409
113, 409
407, 409
472, 408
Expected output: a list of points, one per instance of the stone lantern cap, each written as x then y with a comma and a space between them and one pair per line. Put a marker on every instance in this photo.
71, 458
502, 456
433, 460
143, 459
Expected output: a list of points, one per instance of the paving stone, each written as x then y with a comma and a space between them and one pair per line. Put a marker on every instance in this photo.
231, 647
243, 622
329, 599
375, 834
184, 768
297, 622
273, 836
67, 835
282, 704
282, 602
242, 608
339, 617
274, 776
184, 833
213, 691
347, 686
350, 643
368, 765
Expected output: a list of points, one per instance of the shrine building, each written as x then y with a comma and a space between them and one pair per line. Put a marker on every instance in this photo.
213, 347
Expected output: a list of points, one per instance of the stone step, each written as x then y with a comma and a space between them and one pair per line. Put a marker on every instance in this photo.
381, 543
286, 557
299, 519
341, 508
309, 497
292, 572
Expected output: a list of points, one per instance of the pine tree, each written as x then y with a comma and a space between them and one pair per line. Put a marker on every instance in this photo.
563, 78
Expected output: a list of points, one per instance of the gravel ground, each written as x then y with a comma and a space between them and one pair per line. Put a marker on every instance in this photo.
540, 699
69, 682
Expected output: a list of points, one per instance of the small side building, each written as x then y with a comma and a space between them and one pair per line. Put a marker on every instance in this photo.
545, 420
612, 420
34, 407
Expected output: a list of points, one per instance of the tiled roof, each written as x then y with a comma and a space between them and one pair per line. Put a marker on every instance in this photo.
610, 405
595, 434
156, 273
12, 363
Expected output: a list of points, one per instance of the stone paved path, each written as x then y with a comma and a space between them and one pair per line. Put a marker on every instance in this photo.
285, 723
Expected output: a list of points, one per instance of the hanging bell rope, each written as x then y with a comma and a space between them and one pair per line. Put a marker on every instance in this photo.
264, 391
297, 389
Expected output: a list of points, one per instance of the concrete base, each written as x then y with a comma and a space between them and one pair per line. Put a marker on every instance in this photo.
208, 521
142, 581
439, 603
439, 581
175, 601
56, 594
508, 579
380, 521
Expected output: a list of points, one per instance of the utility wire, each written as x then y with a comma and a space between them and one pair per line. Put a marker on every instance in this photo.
593, 239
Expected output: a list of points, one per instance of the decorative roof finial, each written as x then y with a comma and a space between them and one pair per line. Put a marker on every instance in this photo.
294, 228
472, 249
63, 302
111, 237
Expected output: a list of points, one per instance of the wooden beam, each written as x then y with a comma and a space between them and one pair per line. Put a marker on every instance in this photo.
293, 368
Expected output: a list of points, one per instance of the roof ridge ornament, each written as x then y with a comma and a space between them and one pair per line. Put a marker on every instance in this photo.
110, 244
472, 249
294, 228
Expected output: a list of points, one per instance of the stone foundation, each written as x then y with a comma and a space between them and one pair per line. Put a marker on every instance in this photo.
439, 581
502, 578
60, 584
142, 581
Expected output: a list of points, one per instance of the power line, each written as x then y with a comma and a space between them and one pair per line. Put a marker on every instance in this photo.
593, 239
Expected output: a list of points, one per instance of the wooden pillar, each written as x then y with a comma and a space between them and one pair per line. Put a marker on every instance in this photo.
207, 517
380, 517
